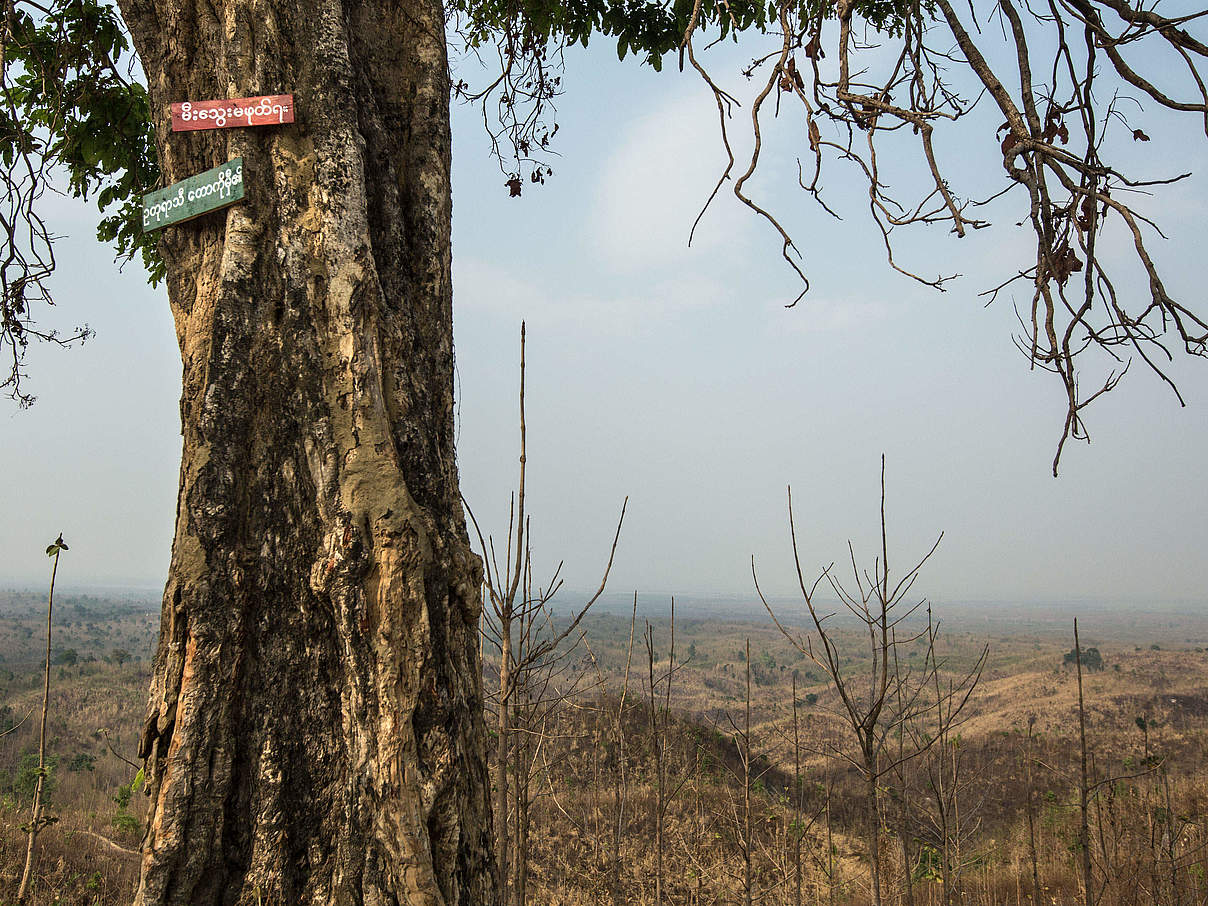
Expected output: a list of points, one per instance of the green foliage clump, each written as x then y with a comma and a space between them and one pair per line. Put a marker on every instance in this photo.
1092, 660
650, 30
26, 780
68, 657
123, 821
71, 104
930, 866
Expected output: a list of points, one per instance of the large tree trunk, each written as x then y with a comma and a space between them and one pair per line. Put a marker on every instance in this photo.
314, 732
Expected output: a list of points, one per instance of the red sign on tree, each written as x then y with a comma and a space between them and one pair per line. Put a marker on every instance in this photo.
267, 110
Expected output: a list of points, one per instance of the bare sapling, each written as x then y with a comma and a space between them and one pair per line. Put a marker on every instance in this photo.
900, 794
1170, 835
1088, 789
746, 784
947, 817
601, 818
37, 819
743, 744
878, 700
798, 827
787, 850
1084, 836
659, 684
735, 814
1030, 803
618, 820
620, 784
830, 844
658, 747
519, 626
1118, 875
1167, 826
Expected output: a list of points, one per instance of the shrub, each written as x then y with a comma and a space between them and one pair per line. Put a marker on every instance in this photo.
125, 823
27, 776
1092, 660
67, 657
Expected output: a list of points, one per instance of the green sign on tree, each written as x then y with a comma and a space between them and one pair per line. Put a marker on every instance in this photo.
194, 196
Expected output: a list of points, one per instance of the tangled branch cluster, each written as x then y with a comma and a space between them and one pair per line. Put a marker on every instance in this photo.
517, 102
1054, 148
28, 246
71, 116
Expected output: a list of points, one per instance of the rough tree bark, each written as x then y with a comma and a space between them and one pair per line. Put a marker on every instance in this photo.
314, 731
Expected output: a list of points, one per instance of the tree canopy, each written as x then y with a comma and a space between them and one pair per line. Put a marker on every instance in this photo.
1069, 80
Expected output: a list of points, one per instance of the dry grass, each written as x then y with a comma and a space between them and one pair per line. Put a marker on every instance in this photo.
575, 781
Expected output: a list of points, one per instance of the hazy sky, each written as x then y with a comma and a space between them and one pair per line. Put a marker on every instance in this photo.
677, 377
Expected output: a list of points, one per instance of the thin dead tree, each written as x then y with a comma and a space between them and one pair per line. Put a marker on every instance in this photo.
743, 744
604, 780
620, 788
659, 684
37, 820
512, 626
760, 836
1164, 828
1091, 788
658, 744
796, 819
1030, 805
829, 863
614, 715
900, 796
546, 689
799, 828
1084, 786
950, 818
733, 817
878, 700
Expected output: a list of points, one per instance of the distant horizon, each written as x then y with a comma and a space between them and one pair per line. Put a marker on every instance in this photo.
1115, 623
611, 600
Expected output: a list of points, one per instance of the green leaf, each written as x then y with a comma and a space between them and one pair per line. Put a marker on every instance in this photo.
98, 123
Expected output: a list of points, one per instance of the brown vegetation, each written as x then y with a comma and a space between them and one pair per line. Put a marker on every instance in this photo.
593, 774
